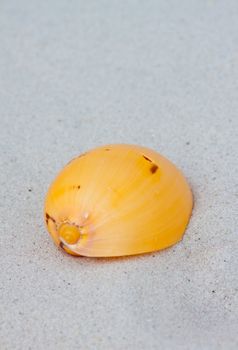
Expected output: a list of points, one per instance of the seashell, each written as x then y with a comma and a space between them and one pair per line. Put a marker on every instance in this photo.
118, 200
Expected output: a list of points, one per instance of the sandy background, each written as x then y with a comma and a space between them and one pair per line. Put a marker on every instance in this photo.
77, 74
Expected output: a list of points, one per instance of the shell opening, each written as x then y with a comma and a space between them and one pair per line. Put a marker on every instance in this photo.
69, 233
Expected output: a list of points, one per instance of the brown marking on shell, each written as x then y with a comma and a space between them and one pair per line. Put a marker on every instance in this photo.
79, 156
154, 168
61, 245
146, 158
48, 217
82, 155
77, 187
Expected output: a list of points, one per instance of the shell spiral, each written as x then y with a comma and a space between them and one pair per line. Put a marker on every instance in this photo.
118, 200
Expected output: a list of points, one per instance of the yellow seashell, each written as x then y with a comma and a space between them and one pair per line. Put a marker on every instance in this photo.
118, 200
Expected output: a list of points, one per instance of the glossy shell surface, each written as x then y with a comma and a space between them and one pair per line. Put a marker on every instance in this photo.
118, 200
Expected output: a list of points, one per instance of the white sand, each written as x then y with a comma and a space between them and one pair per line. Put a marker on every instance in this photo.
77, 74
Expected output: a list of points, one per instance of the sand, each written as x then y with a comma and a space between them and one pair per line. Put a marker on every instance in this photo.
77, 74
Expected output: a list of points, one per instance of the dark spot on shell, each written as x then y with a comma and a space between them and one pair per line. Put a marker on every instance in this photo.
81, 155
71, 160
61, 245
146, 158
29, 189
77, 187
48, 217
153, 169
107, 149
